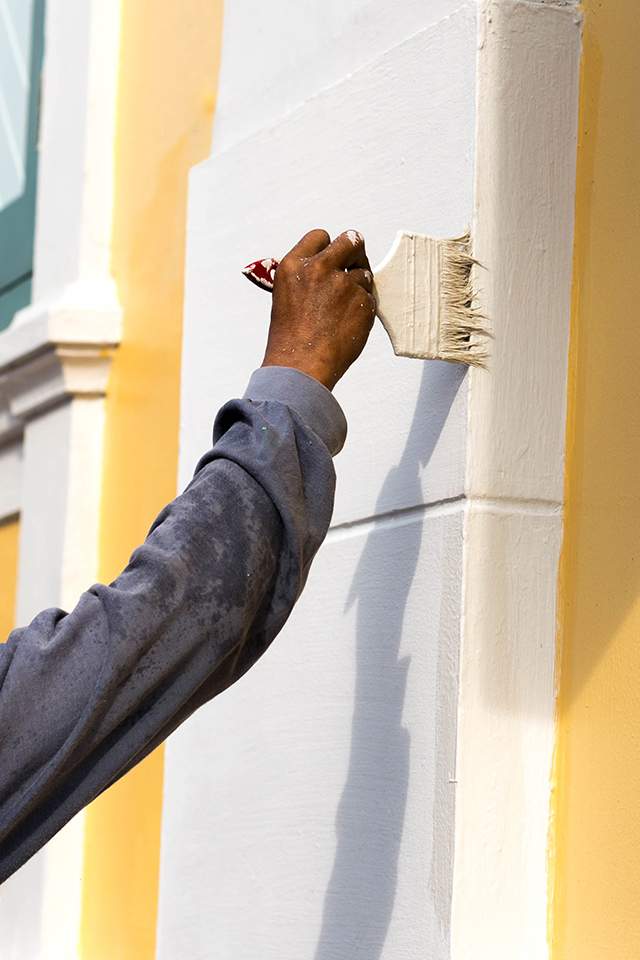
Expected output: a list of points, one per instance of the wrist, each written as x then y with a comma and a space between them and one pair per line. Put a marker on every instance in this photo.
313, 369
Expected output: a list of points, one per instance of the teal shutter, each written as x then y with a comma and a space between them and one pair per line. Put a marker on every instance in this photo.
21, 47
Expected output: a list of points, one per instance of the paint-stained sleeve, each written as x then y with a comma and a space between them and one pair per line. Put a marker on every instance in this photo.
85, 695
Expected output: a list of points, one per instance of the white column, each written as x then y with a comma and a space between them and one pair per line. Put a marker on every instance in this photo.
525, 189
54, 362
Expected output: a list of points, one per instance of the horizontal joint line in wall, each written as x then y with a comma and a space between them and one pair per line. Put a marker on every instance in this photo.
531, 505
442, 507
396, 517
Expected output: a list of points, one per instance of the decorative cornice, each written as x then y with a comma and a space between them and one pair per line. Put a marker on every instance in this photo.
85, 314
55, 351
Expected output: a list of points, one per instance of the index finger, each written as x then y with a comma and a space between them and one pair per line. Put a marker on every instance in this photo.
347, 250
313, 242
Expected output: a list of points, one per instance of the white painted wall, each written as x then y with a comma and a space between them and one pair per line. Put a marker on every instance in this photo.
308, 812
273, 63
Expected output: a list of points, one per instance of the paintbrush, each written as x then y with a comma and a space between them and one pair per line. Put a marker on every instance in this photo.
425, 298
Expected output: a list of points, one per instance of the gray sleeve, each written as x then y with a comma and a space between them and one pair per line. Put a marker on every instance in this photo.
86, 695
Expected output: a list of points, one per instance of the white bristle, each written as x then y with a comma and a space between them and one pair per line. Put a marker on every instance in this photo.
462, 326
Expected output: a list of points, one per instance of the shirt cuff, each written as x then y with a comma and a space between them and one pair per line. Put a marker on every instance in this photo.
315, 405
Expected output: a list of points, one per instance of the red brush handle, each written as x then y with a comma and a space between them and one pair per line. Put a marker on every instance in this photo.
262, 273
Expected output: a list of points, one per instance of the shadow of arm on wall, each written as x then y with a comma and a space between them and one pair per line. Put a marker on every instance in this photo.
361, 893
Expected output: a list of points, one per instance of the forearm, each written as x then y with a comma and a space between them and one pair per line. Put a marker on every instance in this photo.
86, 695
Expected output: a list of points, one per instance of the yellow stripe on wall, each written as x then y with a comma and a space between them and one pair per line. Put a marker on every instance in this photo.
168, 74
9, 536
596, 907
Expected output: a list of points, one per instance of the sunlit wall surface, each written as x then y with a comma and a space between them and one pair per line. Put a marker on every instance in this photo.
596, 912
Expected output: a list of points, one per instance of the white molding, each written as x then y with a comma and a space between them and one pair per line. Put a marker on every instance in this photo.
85, 314
528, 71
62, 373
54, 352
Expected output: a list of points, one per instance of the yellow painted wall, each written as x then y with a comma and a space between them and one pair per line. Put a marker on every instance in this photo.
168, 73
596, 904
9, 535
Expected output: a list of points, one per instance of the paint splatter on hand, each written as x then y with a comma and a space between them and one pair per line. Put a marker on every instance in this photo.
323, 305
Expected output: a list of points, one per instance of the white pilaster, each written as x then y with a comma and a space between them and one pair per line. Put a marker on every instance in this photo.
525, 185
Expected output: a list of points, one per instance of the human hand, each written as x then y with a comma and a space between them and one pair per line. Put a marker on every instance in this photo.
323, 307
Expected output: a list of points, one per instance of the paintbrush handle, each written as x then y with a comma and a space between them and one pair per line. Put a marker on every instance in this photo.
262, 273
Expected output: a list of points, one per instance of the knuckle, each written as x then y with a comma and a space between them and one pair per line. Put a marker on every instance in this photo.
286, 266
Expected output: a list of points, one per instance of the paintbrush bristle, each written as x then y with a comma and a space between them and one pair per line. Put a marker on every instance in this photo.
463, 334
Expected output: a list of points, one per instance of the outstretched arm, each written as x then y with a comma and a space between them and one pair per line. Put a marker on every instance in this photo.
86, 695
